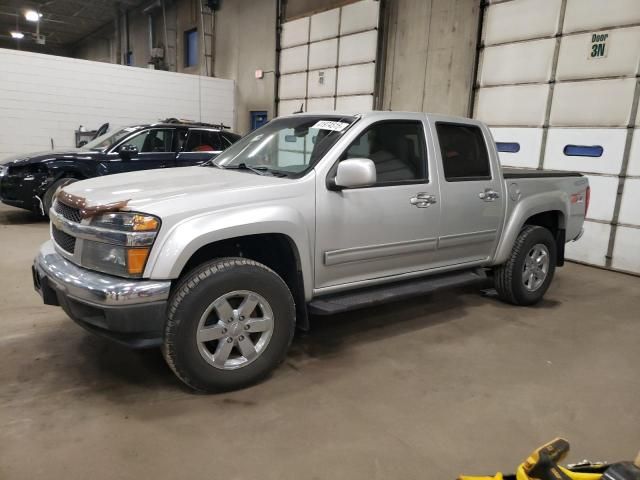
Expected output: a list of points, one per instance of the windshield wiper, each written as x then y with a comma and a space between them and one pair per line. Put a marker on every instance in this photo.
259, 169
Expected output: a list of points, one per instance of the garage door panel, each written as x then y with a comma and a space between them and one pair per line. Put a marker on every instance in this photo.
359, 16
355, 103
517, 63
358, 48
293, 59
591, 14
515, 105
295, 33
521, 20
322, 83
287, 107
633, 167
625, 249
629, 207
293, 85
527, 142
356, 79
592, 247
602, 103
323, 54
622, 55
320, 104
325, 25
565, 144
603, 197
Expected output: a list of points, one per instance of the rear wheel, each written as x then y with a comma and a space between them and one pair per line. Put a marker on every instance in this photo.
47, 199
527, 274
230, 323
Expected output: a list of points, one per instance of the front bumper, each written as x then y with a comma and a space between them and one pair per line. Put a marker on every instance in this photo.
132, 312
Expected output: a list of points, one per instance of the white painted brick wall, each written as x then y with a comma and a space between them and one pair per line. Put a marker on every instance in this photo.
44, 97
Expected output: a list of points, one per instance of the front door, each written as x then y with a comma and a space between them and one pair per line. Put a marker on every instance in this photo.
472, 197
386, 229
155, 150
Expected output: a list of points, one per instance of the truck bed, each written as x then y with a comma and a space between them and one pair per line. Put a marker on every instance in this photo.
510, 172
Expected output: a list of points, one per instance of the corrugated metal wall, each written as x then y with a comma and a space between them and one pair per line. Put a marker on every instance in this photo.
327, 60
558, 79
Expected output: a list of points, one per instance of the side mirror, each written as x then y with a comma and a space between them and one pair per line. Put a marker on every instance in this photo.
127, 152
355, 172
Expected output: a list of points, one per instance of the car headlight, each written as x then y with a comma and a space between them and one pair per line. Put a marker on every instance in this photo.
3, 170
122, 243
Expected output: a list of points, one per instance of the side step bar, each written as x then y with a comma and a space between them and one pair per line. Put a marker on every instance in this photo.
367, 297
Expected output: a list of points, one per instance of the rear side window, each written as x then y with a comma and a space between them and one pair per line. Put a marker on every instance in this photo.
203, 141
464, 152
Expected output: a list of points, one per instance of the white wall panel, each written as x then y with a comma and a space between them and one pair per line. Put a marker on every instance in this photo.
603, 197
622, 58
323, 54
293, 59
591, 14
355, 103
530, 141
287, 107
521, 20
630, 206
602, 103
325, 25
358, 48
293, 85
633, 168
45, 97
626, 254
611, 140
295, 33
359, 16
322, 83
518, 105
592, 247
517, 62
356, 79
320, 104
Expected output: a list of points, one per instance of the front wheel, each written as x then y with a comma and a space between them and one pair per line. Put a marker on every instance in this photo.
230, 322
527, 274
47, 199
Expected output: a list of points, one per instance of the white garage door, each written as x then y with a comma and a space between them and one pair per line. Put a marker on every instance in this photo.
558, 84
327, 60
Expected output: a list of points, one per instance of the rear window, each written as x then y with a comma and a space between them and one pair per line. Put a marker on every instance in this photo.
464, 152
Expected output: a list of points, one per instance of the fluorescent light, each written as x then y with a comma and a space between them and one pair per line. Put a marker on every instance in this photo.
32, 15
17, 35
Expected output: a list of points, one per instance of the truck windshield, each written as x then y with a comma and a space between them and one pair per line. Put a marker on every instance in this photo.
288, 146
109, 139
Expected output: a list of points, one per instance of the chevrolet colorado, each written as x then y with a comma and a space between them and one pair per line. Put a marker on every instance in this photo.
309, 214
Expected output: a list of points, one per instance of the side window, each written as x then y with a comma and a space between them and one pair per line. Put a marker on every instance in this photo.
464, 152
396, 148
229, 139
203, 141
157, 140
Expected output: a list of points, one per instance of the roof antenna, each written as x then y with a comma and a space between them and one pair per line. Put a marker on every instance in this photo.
301, 109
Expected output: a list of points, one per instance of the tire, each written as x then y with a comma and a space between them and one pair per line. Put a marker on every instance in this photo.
205, 322
47, 199
514, 281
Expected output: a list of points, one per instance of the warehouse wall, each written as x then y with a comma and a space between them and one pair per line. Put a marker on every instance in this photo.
44, 98
556, 74
430, 55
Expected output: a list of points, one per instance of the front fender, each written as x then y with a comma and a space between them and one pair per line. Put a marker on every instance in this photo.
175, 248
526, 208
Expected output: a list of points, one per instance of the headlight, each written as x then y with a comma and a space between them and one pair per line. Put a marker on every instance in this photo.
122, 243
3, 170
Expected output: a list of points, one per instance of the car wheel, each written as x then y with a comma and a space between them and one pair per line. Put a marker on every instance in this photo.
47, 199
229, 324
527, 274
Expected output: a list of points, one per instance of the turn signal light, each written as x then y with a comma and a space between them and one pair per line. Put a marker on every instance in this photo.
136, 260
144, 223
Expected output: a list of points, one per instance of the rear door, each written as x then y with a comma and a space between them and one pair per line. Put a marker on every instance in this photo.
472, 199
200, 146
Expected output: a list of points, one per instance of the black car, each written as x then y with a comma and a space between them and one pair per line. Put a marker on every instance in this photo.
30, 181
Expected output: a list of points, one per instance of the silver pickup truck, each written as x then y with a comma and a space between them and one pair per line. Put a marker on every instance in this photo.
310, 214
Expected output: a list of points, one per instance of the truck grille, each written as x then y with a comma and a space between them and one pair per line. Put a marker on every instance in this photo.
70, 213
63, 239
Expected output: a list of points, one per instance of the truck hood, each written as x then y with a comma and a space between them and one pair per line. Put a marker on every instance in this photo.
166, 191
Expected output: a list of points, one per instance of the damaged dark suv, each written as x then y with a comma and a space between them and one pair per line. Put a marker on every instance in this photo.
29, 181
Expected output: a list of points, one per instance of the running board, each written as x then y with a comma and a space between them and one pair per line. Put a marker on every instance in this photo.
367, 297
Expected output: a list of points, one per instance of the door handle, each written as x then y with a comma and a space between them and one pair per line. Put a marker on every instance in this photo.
423, 200
488, 195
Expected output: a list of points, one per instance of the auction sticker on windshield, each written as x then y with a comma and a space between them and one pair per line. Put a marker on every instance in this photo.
329, 125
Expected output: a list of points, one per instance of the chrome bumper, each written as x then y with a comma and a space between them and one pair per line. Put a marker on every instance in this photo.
96, 288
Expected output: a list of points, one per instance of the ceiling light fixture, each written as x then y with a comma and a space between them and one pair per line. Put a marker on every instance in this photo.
17, 35
32, 15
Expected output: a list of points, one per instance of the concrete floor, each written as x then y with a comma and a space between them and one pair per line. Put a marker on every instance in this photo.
426, 389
